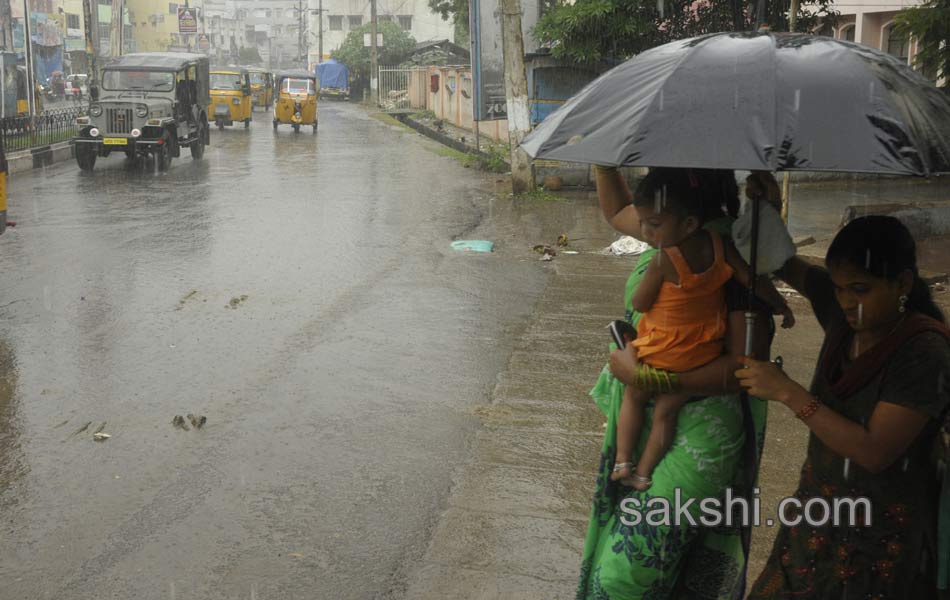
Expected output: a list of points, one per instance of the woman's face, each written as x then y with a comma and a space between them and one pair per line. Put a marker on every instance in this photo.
868, 302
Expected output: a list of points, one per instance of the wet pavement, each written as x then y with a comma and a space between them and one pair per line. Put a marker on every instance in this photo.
299, 292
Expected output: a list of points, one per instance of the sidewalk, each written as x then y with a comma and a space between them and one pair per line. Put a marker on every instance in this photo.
517, 515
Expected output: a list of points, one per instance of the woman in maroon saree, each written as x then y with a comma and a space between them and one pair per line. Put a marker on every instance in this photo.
875, 409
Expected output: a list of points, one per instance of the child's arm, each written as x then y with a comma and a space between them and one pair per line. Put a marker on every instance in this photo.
764, 288
650, 285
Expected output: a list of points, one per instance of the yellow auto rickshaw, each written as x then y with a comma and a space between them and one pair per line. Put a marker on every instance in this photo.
230, 97
262, 87
296, 102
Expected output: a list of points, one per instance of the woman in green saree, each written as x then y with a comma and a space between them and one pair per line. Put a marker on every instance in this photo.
627, 561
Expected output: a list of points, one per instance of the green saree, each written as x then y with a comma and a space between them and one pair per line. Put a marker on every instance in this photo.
650, 562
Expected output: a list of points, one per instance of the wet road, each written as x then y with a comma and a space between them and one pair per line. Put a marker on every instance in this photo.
299, 291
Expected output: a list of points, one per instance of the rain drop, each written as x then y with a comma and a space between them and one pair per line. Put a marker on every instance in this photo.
860, 313
661, 99
798, 99
867, 259
660, 8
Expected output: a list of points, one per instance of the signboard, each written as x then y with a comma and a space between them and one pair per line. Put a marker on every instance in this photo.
204, 42
488, 61
368, 40
187, 20
44, 30
74, 44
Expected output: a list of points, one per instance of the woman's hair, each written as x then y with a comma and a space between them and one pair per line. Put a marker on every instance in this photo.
720, 192
676, 191
883, 247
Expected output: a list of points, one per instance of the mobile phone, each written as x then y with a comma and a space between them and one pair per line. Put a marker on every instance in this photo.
621, 332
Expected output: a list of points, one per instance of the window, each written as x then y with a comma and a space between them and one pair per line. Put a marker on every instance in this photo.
297, 86
895, 44
259, 13
405, 21
172, 9
355, 21
847, 34
268, 12
336, 23
291, 13
275, 29
72, 21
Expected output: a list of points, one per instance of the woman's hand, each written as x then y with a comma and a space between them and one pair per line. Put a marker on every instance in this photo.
623, 364
764, 379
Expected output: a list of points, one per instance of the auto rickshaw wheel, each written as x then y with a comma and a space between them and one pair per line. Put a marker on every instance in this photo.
247, 123
296, 127
220, 124
275, 124
85, 157
314, 126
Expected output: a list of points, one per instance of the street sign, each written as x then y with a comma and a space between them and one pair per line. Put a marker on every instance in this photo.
187, 20
368, 40
204, 42
488, 61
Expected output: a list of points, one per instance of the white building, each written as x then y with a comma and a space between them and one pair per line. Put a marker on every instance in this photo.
340, 17
224, 24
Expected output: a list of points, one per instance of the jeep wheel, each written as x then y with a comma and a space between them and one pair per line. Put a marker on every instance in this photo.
164, 152
85, 157
198, 146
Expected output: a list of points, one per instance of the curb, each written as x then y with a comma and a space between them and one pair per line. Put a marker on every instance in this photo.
43, 156
441, 137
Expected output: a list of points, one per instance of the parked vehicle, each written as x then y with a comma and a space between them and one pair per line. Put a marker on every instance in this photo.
76, 86
296, 102
148, 104
262, 87
230, 97
334, 80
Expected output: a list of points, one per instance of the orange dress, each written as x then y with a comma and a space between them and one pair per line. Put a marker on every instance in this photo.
685, 327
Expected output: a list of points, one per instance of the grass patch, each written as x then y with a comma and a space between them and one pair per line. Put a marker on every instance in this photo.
390, 120
424, 114
541, 195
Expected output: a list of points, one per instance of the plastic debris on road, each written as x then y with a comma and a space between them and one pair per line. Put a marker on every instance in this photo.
101, 437
626, 246
473, 245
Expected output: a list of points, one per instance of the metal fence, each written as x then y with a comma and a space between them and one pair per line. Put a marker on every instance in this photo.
49, 127
402, 89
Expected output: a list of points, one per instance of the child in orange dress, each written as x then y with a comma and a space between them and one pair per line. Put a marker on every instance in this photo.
681, 298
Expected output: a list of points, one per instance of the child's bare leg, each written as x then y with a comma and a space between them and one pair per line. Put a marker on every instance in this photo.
629, 424
661, 436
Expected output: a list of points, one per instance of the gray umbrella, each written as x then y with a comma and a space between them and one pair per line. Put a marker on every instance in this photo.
756, 101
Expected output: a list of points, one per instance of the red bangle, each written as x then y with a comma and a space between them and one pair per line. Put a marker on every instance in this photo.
809, 409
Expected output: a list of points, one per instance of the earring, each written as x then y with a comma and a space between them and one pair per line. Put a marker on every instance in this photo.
903, 301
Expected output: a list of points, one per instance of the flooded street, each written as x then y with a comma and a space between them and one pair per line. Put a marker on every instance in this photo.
296, 290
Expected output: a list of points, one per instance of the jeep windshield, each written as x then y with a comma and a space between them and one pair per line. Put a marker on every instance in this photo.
149, 81
226, 81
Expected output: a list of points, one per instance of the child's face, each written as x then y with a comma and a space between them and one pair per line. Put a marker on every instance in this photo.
868, 302
664, 229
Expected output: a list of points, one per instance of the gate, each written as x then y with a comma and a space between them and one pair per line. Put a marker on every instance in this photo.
402, 89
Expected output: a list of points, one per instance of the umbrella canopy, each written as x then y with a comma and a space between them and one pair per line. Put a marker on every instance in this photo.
756, 101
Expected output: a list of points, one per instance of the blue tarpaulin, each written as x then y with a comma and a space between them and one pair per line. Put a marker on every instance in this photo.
333, 75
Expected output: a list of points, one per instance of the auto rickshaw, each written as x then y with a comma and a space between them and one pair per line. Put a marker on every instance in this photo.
296, 102
230, 97
262, 87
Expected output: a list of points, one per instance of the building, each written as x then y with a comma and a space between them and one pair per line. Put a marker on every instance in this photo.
273, 27
224, 24
340, 17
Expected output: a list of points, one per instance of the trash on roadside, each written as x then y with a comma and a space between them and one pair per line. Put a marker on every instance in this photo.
569, 252
546, 252
473, 245
562, 240
101, 437
197, 422
179, 421
627, 245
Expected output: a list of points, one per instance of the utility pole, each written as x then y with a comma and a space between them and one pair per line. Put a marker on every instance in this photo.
373, 56
90, 14
320, 31
30, 73
516, 92
115, 35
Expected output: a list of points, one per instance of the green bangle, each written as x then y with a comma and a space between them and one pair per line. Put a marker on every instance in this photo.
657, 381
605, 169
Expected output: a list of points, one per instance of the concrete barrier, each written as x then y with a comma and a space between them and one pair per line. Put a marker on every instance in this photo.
924, 220
43, 156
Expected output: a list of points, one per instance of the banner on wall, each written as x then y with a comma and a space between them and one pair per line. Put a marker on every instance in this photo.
187, 20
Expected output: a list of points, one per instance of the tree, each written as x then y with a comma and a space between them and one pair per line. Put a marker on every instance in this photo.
596, 30
397, 45
930, 25
457, 12
249, 56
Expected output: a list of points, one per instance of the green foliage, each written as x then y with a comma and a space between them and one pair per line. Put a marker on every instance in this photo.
929, 23
397, 45
589, 31
497, 160
250, 56
457, 12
